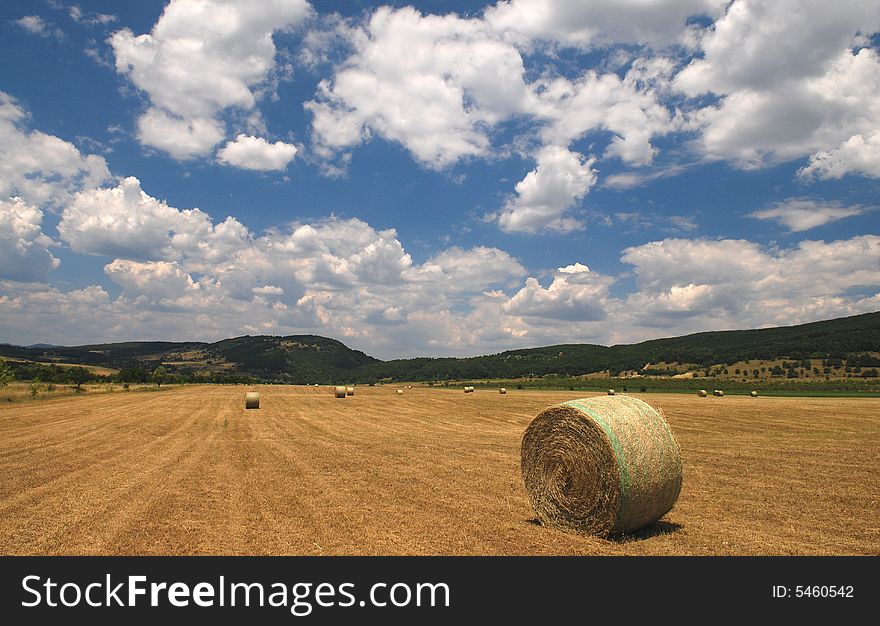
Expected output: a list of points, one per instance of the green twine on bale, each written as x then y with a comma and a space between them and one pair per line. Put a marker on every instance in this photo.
601, 465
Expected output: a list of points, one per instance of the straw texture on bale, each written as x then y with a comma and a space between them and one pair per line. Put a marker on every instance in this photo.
340, 392
349, 391
502, 391
601, 465
610, 392
718, 393
702, 393
754, 394
252, 400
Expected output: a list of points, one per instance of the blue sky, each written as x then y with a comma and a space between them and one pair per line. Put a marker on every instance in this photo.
435, 178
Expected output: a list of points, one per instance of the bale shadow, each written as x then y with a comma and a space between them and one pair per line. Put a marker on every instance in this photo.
651, 530
656, 529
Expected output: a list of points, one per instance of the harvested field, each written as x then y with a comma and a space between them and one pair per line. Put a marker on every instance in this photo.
189, 471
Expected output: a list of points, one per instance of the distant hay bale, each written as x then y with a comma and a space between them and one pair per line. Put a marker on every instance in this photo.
252, 400
400, 392
349, 391
502, 391
754, 394
340, 392
601, 465
702, 393
718, 393
610, 392
468, 389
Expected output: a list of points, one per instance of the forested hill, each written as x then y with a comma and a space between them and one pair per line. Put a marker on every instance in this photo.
832, 339
310, 358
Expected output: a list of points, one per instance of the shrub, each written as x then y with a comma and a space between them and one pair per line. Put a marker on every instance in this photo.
6, 375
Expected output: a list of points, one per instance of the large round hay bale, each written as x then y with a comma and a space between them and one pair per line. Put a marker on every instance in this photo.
754, 394
502, 391
400, 392
718, 393
252, 400
340, 392
601, 465
349, 391
702, 393
468, 389
610, 392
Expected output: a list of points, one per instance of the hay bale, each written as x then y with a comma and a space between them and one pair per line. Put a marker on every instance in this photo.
400, 392
468, 389
502, 391
601, 465
349, 391
718, 393
252, 400
754, 394
610, 392
702, 393
340, 392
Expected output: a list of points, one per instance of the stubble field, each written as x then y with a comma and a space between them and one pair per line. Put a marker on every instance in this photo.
189, 471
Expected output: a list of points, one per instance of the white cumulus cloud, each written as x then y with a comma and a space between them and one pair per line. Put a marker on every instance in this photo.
794, 79
432, 83
857, 155
737, 284
125, 221
157, 280
599, 22
576, 295
201, 57
255, 153
560, 179
41, 168
24, 248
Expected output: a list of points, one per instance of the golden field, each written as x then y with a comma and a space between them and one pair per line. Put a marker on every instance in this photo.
189, 471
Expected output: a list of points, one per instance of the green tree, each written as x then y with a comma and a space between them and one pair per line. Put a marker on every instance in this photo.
78, 376
160, 375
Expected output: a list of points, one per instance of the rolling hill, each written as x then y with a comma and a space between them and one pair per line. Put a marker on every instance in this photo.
314, 359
